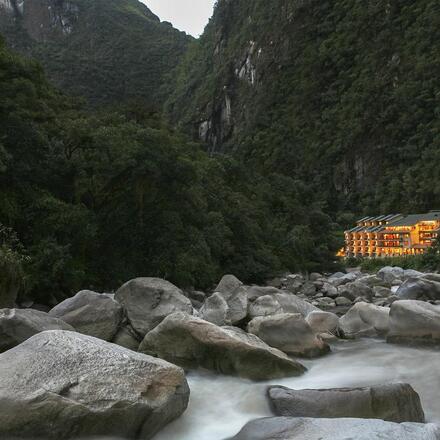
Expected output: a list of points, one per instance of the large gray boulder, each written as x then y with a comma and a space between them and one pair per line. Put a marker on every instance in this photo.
18, 325
264, 306
291, 428
126, 337
237, 306
419, 288
339, 279
414, 322
390, 274
293, 304
215, 310
255, 292
393, 403
355, 290
290, 333
323, 322
62, 385
365, 319
147, 301
91, 313
192, 343
228, 285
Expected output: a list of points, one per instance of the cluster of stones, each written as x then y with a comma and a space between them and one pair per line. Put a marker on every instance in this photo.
111, 364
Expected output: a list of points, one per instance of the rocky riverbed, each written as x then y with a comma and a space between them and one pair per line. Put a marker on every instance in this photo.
115, 364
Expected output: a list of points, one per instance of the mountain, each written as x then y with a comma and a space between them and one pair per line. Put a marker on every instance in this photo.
342, 95
104, 50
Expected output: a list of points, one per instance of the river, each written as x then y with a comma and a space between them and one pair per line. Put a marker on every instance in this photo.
221, 405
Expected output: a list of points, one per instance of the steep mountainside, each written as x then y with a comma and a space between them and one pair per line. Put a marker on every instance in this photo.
340, 94
104, 50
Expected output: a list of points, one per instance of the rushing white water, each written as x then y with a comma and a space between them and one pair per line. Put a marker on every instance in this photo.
220, 405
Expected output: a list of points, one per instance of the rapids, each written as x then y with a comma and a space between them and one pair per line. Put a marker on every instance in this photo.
221, 405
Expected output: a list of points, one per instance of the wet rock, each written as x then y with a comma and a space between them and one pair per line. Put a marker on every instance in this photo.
60, 385
18, 325
299, 428
414, 322
390, 402
147, 301
91, 313
365, 320
192, 343
290, 333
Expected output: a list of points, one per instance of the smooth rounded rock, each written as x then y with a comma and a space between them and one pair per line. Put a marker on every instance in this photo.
192, 343
62, 385
18, 325
147, 301
298, 428
391, 402
91, 313
290, 333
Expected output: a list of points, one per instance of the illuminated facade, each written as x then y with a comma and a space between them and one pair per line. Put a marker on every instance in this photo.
392, 235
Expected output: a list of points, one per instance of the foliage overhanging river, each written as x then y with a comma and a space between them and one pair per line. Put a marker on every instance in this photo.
221, 405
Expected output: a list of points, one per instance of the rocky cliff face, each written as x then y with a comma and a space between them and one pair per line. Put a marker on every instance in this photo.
323, 91
105, 50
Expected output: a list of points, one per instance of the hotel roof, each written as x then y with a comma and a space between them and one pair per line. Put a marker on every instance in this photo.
411, 220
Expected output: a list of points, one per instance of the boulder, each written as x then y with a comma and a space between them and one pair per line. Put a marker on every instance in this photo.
264, 306
324, 303
292, 428
373, 280
308, 289
60, 385
292, 304
411, 273
237, 306
323, 322
294, 282
18, 325
342, 301
365, 320
355, 289
91, 313
419, 288
414, 322
192, 343
389, 274
391, 402
215, 310
329, 290
255, 292
147, 301
339, 279
381, 292
228, 285
315, 276
126, 337
290, 333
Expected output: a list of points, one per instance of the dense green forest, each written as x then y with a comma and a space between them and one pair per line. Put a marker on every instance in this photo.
103, 50
91, 199
341, 94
